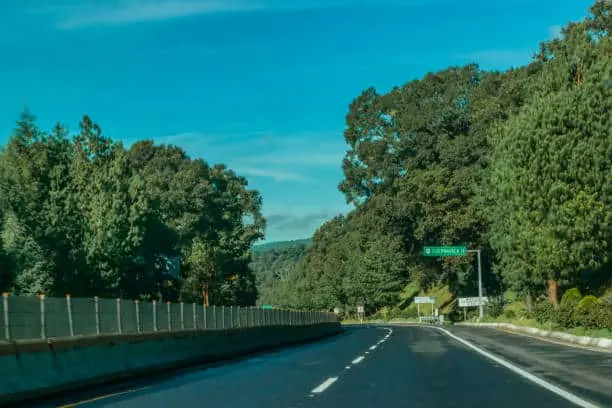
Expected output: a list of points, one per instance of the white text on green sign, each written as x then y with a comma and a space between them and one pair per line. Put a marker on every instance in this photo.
445, 251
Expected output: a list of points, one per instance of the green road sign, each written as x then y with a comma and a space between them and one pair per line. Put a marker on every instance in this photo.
445, 251
267, 307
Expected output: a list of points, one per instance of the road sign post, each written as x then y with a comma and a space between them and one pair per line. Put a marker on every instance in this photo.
424, 299
457, 251
481, 307
471, 302
360, 311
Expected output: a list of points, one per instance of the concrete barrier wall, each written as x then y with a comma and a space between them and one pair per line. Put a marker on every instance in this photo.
35, 369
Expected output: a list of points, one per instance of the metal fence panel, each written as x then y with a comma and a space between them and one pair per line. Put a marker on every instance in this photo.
202, 312
146, 316
188, 316
128, 316
175, 313
24, 317
63, 317
83, 316
108, 316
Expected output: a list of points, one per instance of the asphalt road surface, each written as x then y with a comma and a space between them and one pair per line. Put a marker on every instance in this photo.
383, 367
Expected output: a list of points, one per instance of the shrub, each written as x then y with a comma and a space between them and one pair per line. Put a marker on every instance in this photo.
593, 314
516, 309
544, 312
409, 313
495, 306
509, 314
607, 298
571, 298
566, 315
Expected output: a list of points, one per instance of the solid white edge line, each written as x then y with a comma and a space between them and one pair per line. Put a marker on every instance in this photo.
373, 347
358, 360
525, 374
324, 385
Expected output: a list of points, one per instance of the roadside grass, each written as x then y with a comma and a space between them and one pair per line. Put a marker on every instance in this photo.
576, 331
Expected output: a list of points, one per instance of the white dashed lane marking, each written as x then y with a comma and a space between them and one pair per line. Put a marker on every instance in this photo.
327, 383
324, 385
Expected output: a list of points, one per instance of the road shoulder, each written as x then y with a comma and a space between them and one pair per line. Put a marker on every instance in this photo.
595, 343
585, 372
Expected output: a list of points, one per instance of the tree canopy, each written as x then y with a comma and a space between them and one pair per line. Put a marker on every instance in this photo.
87, 216
515, 163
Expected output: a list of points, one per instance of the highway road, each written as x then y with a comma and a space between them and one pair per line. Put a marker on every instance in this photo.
386, 366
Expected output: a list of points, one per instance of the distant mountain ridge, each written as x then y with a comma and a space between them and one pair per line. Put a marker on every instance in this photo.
281, 244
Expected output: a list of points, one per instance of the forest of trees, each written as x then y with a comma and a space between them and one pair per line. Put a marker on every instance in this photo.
273, 262
83, 215
516, 163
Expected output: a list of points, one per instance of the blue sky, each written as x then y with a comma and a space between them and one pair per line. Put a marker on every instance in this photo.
260, 85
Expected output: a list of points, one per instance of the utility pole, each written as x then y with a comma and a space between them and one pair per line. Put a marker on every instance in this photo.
481, 307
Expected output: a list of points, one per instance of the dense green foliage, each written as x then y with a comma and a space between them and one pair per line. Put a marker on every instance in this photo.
86, 216
281, 245
272, 263
515, 163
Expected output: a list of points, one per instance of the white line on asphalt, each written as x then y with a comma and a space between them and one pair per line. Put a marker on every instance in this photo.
347, 367
373, 347
358, 360
324, 385
542, 383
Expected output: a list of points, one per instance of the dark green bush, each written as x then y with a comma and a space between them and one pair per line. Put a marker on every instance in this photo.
592, 313
571, 298
544, 312
509, 314
565, 316
495, 306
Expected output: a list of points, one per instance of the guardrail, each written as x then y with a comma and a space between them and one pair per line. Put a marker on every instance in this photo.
432, 319
31, 317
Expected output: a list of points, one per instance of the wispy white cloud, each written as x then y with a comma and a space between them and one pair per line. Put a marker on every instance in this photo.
134, 11
287, 158
278, 174
309, 158
73, 14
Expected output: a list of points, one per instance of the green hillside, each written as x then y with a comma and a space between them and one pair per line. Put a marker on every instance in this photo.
281, 244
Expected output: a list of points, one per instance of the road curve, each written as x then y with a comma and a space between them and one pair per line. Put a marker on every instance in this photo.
364, 367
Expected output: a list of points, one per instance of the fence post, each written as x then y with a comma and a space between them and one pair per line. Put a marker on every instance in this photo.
169, 316
5, 309
43, 324
154, 315
119, 328
195, 316
231, 317
137, 305
204, 317
69, 309
97, 313
214, 317
223, 317
182, 315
